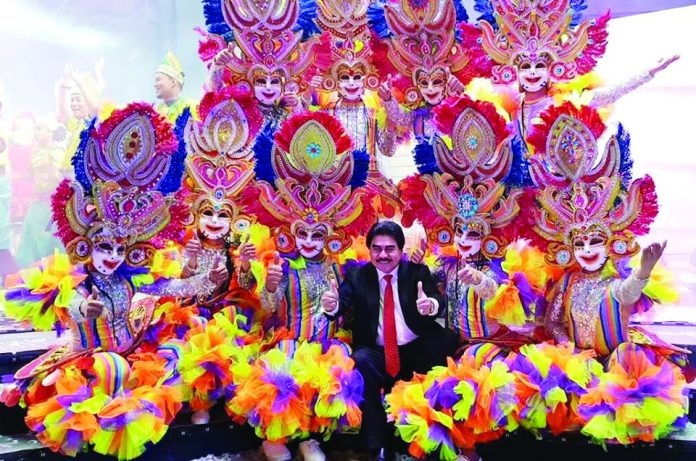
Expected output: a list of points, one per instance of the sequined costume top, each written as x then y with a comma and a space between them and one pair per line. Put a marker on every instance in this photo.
360, 123
466, 303
593, 310
115, 330
419, 120
297, 301
205, 264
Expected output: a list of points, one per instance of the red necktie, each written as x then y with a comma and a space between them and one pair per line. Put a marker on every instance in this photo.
391, 346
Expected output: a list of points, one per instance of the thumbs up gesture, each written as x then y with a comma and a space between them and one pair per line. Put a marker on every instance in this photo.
425, 305
468, 275
275, 274
419, 253
247, 252
92, 307
218, 274
385, 89
191, 251
329, 300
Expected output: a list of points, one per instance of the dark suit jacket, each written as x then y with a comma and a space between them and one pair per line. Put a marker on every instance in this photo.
359, 293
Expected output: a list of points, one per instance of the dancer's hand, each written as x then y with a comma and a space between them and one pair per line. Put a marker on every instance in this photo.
455, 86
329, 300
247, 252
224, 57
425, 305
275, 274
385, 89
468, 274
316, 82
218, 274
662, 64
419, 253
91, 307
191, 251
651, 254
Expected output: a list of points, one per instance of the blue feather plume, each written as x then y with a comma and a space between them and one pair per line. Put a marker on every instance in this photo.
578, 6
424, 157
214, 20
626, 165
485, 8
462, 16
172, 181
78, 159
519, 172
263, 149
361, 163
305, 22
377, 20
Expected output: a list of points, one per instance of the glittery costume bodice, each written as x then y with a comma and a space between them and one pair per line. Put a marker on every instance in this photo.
273, 116
297, 301
355, 118
115, 329
593, 310
420, 120
466, 303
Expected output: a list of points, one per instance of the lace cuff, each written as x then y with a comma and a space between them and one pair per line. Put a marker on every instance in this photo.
628, 291
245, 279
270, 301
486, 287
198, 285
605, 96
74, 307
395, 114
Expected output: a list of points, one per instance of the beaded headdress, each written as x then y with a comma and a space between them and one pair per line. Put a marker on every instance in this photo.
518, 31
460, 174
126, 172
268, 38
171, 66
582, 192
219, 158
418, 37
345, 21
308, 175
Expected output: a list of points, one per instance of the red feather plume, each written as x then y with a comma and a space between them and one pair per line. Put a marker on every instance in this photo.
246, 100
446, 113
284, 135
165, 140
59, 203
539, 133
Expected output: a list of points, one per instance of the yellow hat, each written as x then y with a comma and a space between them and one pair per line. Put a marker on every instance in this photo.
172, 68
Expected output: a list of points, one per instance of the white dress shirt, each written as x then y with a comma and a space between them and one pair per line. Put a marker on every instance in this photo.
403, 334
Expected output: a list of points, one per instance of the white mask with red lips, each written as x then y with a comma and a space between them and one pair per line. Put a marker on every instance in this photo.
432, 87
214, 225
351, 86
268, 89
310, 241
468, 242
590, 252
107, 256
533, 76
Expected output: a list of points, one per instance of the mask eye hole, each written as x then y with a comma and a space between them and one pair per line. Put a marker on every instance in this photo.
208, 213
596, 241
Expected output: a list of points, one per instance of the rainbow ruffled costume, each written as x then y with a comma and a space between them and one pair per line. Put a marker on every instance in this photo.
97, 391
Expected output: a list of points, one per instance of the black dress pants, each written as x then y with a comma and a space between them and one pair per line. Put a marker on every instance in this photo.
419, 356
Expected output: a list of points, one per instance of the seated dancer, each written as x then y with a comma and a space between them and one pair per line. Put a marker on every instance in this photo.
265, 48
586, 213
395, 334
347, 72
459, 198
311, 191
537, 43
219, 166
97, 390
421, 58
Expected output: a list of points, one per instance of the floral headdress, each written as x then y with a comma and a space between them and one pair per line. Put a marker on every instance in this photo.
515, 31
460, 174
348, 42
307, 174
418, 37
268, 38
582, 192
220, 159
126, 172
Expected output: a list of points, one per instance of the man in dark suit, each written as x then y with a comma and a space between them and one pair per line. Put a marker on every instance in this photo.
393, 303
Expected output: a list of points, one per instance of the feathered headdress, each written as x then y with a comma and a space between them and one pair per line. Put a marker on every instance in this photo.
268, 38
460, 176
308, 174
582, 192
418, 37
220, 159
515, 31
348, 42
126, 171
